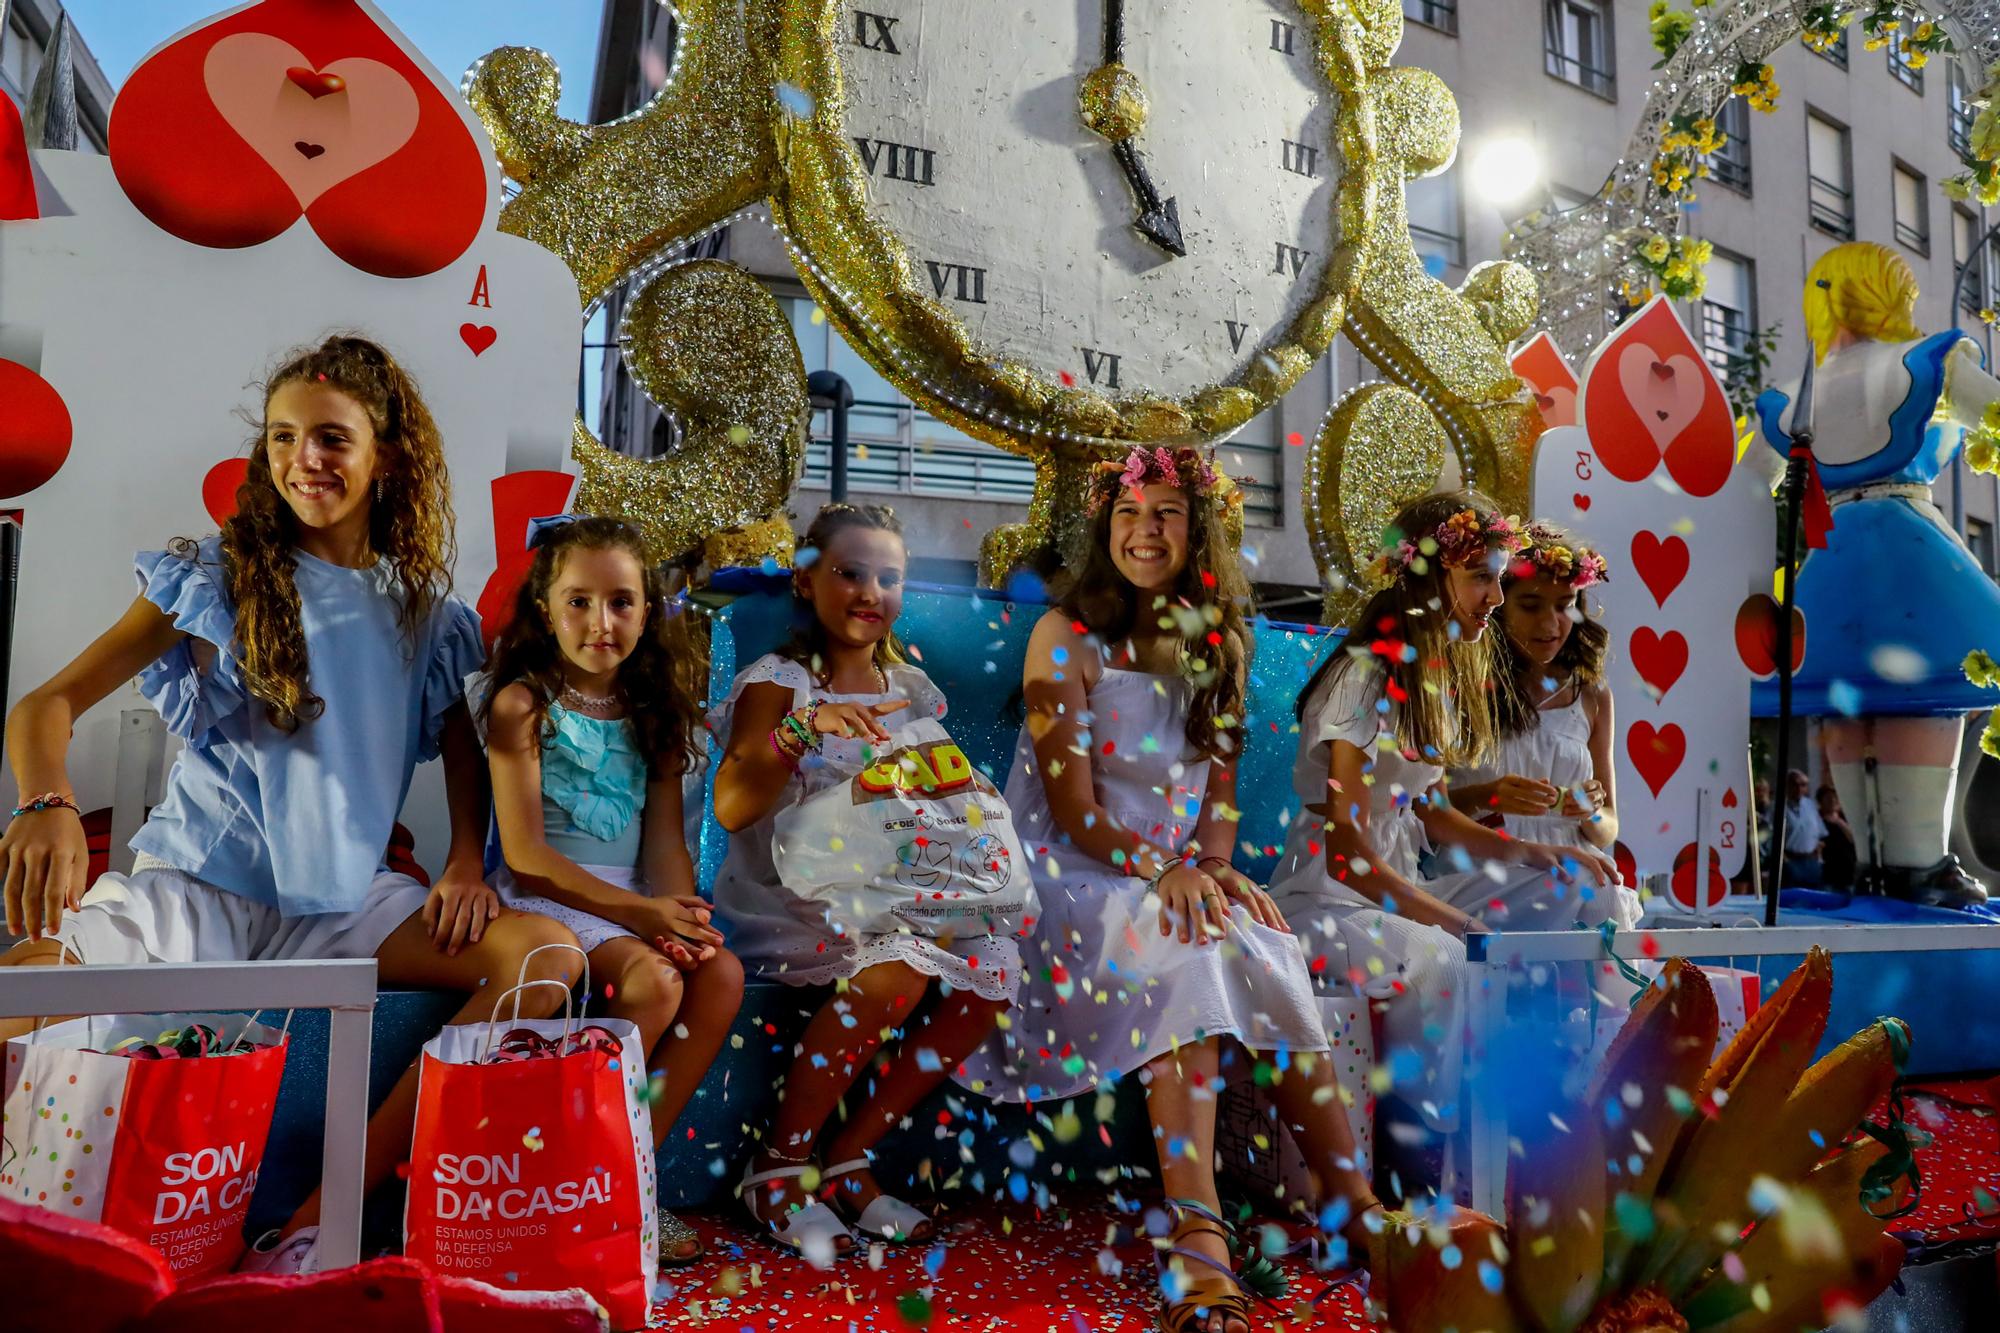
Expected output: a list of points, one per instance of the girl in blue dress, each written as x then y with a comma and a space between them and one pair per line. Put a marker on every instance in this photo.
1883, 666
310, 656
594, 722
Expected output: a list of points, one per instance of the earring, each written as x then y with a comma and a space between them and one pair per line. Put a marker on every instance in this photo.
378, 490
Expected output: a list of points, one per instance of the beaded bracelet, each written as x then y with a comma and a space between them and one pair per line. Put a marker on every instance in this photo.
48, 800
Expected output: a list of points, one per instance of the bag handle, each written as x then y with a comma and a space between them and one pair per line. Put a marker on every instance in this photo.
493, 1025
521, 977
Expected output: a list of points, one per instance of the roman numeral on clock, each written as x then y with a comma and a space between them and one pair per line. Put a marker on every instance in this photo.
1291, 259
1301, 159
969, 282
1236, 332
1095, 362
918, 166
1283, 34
876, 32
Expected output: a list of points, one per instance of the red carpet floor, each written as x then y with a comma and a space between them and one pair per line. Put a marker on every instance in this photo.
1052, 1274
1961, 1166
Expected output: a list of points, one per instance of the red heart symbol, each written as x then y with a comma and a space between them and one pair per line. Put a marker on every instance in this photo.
1581, 501
1757, 635
316, 83
219, 487
309, 151
1729, 799
1656, 754
35, 430
1662, 563
1544, 401
478, 337
1683, 884
1659, 658
1628, 864
1662, 371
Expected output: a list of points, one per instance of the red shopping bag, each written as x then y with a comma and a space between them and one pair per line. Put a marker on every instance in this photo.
533, 1171
165, 1150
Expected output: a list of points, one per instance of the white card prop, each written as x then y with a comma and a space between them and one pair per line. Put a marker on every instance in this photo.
1650, 479
289, 169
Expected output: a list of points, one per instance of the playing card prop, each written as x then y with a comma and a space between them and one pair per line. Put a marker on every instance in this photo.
1541, 366
532, 1165
918, 841
1650, 479
139, 315
161, 1140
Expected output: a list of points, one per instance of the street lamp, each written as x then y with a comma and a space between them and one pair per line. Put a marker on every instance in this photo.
830, 389
1505, 170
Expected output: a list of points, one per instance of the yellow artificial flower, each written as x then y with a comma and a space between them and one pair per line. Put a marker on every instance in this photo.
1655, 249
1982, 454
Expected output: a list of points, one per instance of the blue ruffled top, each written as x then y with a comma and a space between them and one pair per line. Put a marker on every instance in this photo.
297, 820
593, 787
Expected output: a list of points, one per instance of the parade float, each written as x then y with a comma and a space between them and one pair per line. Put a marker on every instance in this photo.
253, 197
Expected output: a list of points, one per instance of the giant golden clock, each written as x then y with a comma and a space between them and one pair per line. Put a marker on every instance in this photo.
1084, 220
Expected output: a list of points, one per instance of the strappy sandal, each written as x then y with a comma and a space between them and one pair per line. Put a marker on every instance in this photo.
1197, 1296
810, 1230
885, 1219
675, 1233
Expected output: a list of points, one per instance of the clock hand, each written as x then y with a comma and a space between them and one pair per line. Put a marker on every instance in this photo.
1114, 105
1159, 220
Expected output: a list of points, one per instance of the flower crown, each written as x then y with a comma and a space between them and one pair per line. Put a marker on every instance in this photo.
1160, 466
1461, 541
1550, 552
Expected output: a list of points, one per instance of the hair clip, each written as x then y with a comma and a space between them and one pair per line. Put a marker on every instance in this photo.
540, 530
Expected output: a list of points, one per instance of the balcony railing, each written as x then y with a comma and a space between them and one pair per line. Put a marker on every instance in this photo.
1831, 208
1439, 14
1571, 69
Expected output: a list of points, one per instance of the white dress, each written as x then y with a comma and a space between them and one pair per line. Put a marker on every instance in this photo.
1556, 752
781, 936
1419, 971
1105, 992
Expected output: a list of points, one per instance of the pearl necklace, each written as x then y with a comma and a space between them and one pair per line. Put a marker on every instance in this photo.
578, 702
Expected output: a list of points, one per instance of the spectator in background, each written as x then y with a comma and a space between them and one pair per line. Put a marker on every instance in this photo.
1838, 856
1805, 835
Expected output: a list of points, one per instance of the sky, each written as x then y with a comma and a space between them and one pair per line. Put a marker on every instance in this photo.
452, 34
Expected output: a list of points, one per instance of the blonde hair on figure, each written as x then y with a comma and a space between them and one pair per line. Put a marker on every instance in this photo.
1869, 290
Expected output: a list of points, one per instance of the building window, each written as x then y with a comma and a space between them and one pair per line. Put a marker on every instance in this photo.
1439, 14
1437, 222
1913, 216
1900, 68
1979, 540
1576, 44
1975, 290
1829, 183
1730, 164
1835, 53
1962, 111
1729, 318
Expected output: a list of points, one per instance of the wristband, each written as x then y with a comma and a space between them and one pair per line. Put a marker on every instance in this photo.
1168, 865
48, 800
1222, 861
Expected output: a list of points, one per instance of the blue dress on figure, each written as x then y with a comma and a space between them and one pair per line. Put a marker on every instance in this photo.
1895, 601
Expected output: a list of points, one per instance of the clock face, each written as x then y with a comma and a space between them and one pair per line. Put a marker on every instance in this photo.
1053, 244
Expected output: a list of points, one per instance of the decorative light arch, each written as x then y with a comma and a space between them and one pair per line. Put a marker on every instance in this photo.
1584, 257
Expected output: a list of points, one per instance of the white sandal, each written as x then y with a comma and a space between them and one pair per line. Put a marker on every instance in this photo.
885, 1218
811, 1229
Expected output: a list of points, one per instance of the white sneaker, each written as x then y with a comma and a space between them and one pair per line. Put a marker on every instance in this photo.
295, 1255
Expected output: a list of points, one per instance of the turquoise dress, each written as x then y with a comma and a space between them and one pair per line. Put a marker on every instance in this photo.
593, 789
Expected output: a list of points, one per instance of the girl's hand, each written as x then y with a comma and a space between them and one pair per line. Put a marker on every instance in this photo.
677, 927
1516, 795
1241, 888
46, 858
1589, 862
1592, 799
856, 721
456, 914
1188, 895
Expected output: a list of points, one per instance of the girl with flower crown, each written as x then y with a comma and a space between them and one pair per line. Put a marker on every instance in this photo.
1551, 777
1154, 956
1409, 694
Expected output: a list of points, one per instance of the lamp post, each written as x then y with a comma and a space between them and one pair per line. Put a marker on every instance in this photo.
830, 389
1798, 472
